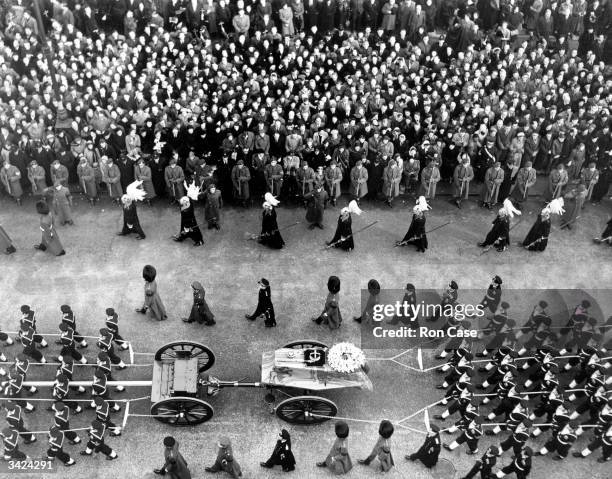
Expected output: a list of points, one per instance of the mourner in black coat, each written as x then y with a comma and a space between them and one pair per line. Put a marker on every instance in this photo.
430, 450
281, 455
264, 305
200, 311
189, 224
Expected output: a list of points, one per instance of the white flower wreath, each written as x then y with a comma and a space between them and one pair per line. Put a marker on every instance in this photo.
345, 358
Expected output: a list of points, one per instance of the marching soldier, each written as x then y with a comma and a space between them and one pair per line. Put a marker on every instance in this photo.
493, 296
381, 449
67, 368
460, 373
499, 235
68, 347
15, 421
28, 341
561, 442
103, 415
200, 311
508, 400
448, 298
502, 388
551, 404
61, 418
96, 442
70, 320
21, 366
10, 441
516, 441
112, 324
416, 234
484, 465
103, 363
472, 432
60, 393
430, 450
521, 465
174, 462
593, 405
56, 443
100, 388
14, 389
105, 343
602, 439
461, 395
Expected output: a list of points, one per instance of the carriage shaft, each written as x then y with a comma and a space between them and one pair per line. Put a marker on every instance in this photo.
50, 384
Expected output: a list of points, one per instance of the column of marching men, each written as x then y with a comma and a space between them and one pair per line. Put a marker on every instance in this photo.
524, 385
63, 402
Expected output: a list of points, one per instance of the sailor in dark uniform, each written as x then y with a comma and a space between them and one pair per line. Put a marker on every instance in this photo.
56, 443
96, 442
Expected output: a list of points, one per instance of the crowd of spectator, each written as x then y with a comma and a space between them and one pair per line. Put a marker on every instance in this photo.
408, 90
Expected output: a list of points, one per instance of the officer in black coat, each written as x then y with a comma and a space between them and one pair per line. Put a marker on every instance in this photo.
264, 305
200, 311
430, 450
281, 455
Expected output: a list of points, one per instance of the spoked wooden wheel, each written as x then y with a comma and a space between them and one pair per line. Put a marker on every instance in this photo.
182, 411
305, 344
187, 350
306, 410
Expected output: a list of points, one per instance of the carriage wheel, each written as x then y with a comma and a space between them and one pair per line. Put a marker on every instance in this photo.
305, 344
300, 410
182, 411
187, 350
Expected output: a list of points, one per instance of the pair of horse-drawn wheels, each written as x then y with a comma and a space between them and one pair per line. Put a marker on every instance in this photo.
187, 350
188, 411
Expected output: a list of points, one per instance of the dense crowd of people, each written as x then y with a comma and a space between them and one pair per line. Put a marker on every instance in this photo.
372, 99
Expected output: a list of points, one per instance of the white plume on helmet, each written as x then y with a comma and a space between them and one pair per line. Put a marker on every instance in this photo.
270, 200
421, 205
508, 209
352, 207
135, 192
193, 191
555, 207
